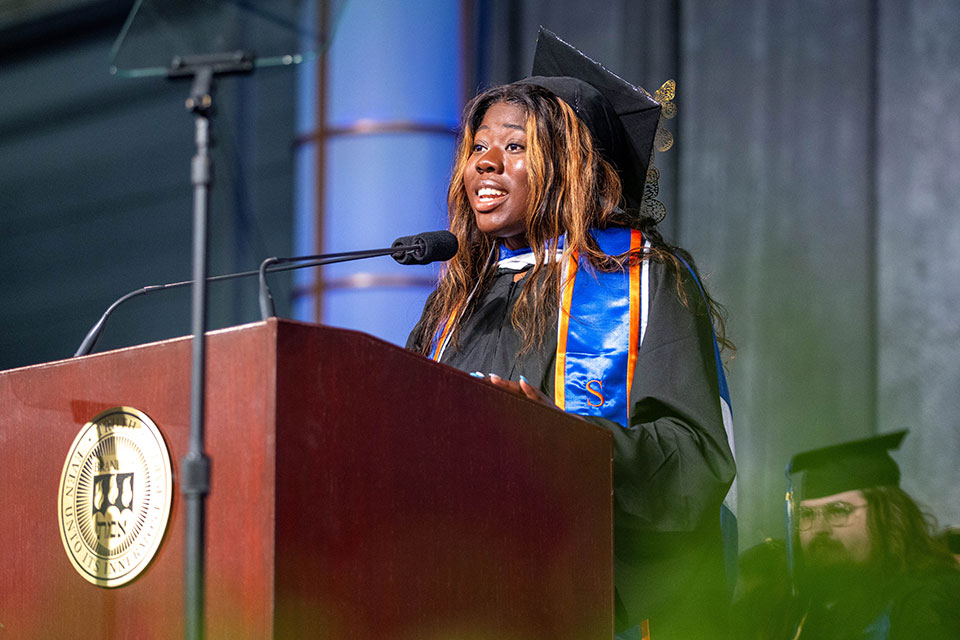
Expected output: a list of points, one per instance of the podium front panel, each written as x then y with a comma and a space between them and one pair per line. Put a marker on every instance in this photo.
358, 491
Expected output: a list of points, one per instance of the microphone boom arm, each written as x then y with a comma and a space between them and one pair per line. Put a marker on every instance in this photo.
273, 265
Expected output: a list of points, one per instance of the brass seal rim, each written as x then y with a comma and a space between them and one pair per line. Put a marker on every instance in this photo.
133, 437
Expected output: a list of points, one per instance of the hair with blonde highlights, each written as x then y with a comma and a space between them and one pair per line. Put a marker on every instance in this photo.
573, 189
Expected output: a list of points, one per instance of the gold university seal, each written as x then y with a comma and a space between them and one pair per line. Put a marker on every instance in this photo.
115, 496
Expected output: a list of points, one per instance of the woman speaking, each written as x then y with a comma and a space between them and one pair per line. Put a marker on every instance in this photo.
564, 291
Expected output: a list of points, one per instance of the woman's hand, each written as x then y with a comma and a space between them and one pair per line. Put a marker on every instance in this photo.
522, 388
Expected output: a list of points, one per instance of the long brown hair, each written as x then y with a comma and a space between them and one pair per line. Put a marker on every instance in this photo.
573, 189
902, 536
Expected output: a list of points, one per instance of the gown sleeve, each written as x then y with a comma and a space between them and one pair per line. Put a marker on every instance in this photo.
672, 467
672, 463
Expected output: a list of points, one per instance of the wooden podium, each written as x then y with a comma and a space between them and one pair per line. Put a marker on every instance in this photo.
358, 491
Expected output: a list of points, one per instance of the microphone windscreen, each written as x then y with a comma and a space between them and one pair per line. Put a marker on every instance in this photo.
438, 246
431, 246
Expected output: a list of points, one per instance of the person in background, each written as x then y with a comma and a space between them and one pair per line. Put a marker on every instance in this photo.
869, 566
564, 291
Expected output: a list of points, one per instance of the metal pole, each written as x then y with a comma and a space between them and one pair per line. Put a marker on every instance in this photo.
195, 465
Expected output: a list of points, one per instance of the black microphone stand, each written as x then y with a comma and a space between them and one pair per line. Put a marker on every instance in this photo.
284, 264
195, 465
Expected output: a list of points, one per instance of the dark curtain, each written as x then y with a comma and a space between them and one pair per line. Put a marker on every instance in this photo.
95, 193
814, 179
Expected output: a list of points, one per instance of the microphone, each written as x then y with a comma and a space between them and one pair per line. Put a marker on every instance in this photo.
431, 246
427, 247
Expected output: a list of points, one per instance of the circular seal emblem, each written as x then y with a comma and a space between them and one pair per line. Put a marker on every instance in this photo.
115, 496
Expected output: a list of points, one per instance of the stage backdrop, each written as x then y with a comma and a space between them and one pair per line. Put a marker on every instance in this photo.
814, 179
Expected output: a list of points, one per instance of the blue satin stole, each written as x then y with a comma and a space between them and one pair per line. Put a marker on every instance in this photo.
599, 330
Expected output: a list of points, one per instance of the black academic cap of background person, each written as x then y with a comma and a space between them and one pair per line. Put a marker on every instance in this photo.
622, 118
849, 466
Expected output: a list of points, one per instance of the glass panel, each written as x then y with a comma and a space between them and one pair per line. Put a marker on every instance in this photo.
278, 32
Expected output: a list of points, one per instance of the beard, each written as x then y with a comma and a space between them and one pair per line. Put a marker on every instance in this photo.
828, 554
830, 572
840, 594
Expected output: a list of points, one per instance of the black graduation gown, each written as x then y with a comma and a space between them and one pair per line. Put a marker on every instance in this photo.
918, 605
672, 463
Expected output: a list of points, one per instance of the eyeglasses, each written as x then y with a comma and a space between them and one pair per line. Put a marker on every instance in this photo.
835, 514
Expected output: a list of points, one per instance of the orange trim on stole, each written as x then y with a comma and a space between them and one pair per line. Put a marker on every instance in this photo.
443, 336
636, 243
560, 367
645, 629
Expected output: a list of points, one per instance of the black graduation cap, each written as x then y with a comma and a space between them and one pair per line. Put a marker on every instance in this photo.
848, 466
622, 118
